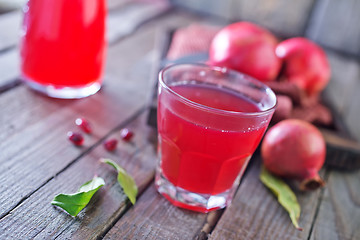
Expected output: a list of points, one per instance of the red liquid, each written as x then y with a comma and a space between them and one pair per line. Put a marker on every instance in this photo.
204, 152
64, 42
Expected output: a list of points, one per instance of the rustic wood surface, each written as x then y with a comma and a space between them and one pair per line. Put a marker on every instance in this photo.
335, 24
9, 29
331, 23
284, 18
37, 161
56, 117
339, 211
153, 217
343, 87
256, 214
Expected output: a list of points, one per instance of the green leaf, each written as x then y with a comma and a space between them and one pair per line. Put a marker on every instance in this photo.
125, 180
74, 203
286, 197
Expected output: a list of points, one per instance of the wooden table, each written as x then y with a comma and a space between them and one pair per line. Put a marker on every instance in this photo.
38, 162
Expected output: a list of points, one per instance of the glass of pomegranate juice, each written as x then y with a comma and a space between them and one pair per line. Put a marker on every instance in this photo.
63, 46
210, 121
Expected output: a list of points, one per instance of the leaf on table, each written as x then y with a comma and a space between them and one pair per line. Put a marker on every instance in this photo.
125, 180
74, 203
286, 197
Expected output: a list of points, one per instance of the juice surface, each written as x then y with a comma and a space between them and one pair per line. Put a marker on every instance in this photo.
198, 157
63, 42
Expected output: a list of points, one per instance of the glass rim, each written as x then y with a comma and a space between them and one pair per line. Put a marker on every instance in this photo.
212, 109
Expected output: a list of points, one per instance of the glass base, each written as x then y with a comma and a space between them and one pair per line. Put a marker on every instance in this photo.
193, 201
63, 92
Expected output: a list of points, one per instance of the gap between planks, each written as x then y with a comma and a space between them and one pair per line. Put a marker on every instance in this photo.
123, 209
318, 204
127, 207
142, 110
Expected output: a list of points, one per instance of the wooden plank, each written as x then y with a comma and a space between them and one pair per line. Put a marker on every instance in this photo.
284, 18
345, 73
341, 91
342, 152
339, 212
126, 20
335, 24
220, 9
37, 149
43, 121
154, 217
10, 29
9, 67
11, 5
256, 214
352, 114
114, 4
37, 218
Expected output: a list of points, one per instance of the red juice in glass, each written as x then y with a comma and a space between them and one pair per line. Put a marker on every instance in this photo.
207, 134
204, 163
63, 46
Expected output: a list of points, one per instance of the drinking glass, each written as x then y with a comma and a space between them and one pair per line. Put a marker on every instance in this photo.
210, 121
62, 46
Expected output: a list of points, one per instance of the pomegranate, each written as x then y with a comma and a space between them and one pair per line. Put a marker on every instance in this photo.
83, 124
247, 48
295, 149
305, 64
126, 134
110, 144
76, 138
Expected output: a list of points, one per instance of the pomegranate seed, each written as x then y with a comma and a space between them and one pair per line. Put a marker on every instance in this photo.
76, 138
126, 134
110, 144
83, 124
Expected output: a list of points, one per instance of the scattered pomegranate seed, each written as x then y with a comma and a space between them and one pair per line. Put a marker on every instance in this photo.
110, 144
76, 138
83, 124
126, 134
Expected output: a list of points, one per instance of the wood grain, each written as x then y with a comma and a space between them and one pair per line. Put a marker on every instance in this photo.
341, 91
45, 220
9, 67
37, 161
345, 73
342, 153
339, 213
36, 139
127, 19
335, 24
353, 109
10, 29
256, 214
115, 4
36, 148
284, 18
219, 9
341, 95
153, 217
